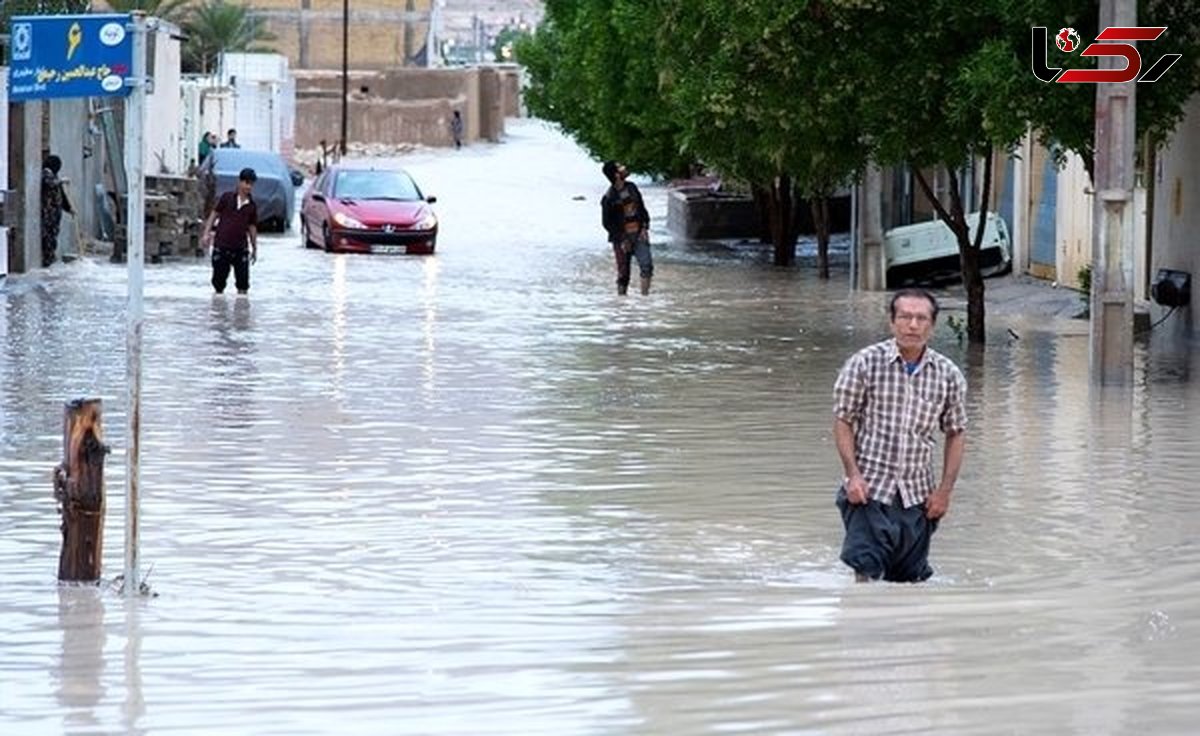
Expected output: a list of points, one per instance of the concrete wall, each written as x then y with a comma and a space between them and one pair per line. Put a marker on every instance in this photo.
1176, 225
419, 101
266, 100
375, 121
383, 33
511, 79
1021, 231
164, 133
25, 176
218, 111
695, 213
68, 136
701, 216
1073, 221
402, 84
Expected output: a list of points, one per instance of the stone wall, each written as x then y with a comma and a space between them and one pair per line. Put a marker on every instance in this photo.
405, 105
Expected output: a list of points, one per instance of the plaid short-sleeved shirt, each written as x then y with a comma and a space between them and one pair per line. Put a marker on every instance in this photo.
895, 416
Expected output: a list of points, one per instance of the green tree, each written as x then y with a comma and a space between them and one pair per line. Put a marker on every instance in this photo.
174, 11
39, 7
505, 46
218, 26
957, 86
942, 95
1064, 115
593, 71
766, 93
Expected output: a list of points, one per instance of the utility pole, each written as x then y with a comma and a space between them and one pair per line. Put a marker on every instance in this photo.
1111, 338
868, 262
305, 27
345, 70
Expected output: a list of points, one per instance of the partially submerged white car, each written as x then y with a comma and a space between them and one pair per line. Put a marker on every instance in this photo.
927, 252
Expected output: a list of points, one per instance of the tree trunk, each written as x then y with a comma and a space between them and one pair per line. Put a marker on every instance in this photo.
783, 223
762, 206
820, 214
79, 490
973, 284
968, 249
969, 253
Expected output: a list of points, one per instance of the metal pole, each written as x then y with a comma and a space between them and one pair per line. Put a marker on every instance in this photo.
135, 123
345, 70
1111, 337
854, 235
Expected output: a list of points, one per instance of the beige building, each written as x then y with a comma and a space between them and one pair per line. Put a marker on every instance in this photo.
383, 34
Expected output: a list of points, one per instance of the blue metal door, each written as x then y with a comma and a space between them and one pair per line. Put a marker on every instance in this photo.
1045, 236
1005, 210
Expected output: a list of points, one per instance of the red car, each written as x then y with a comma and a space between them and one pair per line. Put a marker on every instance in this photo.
357, 210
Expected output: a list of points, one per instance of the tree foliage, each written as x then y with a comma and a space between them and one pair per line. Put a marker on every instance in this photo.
769, 100
505, 46
174, 11
593, 71
215, 27
800, 95
957, 84
1064, 114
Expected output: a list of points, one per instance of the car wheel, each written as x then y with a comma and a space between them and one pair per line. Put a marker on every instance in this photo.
327, 238
304, 234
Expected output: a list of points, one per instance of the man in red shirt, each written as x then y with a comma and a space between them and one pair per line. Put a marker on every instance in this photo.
233, 241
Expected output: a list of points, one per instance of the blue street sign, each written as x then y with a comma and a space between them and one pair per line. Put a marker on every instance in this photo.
69, 56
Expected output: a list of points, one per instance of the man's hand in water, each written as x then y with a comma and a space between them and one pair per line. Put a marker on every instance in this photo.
938, 504
856, 490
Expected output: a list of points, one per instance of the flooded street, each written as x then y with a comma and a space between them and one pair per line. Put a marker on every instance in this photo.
478, 493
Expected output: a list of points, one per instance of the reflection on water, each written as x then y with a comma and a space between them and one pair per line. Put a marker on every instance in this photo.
478, 493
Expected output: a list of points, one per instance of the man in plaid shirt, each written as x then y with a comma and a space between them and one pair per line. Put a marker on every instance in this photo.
888, 402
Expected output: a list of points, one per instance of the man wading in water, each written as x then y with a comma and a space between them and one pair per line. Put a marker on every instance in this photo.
625, 218
888, 401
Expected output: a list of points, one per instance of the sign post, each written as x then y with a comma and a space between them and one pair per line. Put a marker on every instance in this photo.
101, 55
135, 236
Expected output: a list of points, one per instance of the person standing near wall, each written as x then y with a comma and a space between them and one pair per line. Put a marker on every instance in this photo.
54, 203
203, 149
456, 129
207, 143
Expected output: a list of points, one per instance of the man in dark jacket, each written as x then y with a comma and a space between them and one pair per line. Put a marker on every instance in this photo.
624, 216
231, 232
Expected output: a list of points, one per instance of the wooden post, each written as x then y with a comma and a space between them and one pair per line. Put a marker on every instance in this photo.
79, 490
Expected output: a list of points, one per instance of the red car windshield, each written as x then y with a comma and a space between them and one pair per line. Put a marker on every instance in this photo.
394, 185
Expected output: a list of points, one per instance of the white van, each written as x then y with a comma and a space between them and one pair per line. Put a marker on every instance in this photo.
927, 253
